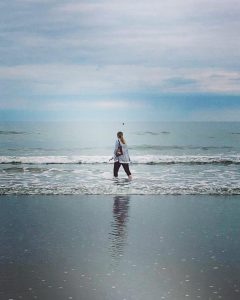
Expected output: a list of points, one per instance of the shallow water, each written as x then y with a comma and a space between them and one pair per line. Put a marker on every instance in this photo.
73, 158
119, 247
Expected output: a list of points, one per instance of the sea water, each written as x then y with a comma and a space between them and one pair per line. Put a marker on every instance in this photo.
74, 158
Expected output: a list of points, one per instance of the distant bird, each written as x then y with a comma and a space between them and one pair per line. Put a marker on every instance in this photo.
123, 123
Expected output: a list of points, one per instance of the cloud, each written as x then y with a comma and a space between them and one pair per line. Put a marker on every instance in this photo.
102, 50
16, 103
173, 33
93, 105
77, 104
61, 79
222, 114
174, 9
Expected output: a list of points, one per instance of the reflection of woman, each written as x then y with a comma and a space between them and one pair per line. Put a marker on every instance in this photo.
119, 225
121, 156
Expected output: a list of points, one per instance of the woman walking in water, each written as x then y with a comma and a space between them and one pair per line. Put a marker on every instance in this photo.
121, 156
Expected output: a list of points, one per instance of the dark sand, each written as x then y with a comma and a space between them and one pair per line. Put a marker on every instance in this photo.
118, 247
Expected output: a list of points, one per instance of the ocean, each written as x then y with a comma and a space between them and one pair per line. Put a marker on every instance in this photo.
64, 158
68, 230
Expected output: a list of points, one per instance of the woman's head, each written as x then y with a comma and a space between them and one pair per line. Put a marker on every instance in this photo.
120, 137
119, 134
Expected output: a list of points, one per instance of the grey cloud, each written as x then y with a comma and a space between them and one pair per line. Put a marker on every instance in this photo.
180, 82
177, 35
61, 79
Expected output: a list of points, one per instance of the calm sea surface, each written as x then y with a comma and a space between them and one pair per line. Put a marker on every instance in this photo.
73, 158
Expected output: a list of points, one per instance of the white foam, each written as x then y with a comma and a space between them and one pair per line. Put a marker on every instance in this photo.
142, 159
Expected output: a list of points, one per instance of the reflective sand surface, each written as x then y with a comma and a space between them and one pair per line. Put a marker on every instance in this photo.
119, 247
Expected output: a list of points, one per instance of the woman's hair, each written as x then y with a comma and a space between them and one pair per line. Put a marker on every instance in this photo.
120, 136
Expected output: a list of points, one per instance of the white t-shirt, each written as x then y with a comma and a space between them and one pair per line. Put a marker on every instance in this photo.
124, 158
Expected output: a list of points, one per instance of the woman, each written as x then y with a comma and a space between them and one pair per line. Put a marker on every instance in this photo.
121, 156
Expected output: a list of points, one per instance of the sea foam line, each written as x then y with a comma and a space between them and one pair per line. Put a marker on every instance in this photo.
142, 159
112, 190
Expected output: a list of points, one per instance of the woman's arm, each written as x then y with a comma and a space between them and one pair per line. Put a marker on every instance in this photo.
115, 149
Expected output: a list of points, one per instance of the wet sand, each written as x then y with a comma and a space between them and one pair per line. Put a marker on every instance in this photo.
119, 247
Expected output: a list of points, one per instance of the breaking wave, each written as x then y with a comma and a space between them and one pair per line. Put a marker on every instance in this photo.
123, 188
142, 159
8, 132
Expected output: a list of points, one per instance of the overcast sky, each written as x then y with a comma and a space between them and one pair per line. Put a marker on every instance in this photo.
126, 60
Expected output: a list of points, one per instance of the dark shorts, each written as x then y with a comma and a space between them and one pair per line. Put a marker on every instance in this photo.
117, 165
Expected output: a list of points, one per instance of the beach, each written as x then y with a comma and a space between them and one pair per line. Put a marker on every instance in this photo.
68, 230
119, 247
42, 158
151, 88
